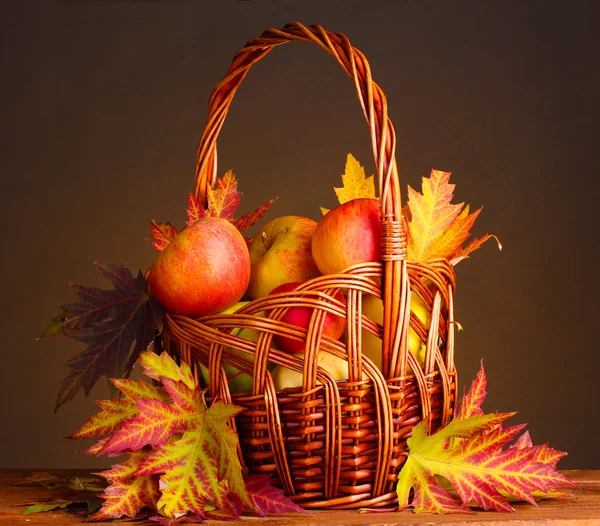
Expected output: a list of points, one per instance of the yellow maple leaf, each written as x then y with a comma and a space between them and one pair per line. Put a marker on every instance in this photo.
436, 227
354, 183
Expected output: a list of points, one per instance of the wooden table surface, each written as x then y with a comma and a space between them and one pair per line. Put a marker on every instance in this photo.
583, 509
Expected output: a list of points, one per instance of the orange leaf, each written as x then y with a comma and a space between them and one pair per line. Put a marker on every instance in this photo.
223, 201
463, 253
436, 227
194, 211
162, 234
246, 221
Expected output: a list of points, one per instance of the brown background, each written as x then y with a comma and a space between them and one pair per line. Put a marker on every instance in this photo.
103, 103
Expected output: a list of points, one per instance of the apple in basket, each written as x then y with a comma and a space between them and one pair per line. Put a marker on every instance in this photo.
372, 307
288, 378
333, 326
348, 234
280, 253
239, 382
205, 269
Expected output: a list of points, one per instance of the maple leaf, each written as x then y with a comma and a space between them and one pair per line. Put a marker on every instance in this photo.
116, 324
268, 499
466, 463
182, 455
128, 492
247, 220
189, 467
354, 183
436, 227
109, 420
472, 400
162, 234
222, 201
195, 211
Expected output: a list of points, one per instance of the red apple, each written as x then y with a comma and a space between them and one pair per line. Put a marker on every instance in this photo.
333, 326
204, 270
347, 235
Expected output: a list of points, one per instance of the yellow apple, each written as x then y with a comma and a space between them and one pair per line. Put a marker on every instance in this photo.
372, 307
242, 382
281, 253
336, 367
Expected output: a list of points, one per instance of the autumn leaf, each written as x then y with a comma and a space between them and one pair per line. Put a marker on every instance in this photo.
222, 201
39, 478
354, 183
163, 366
472, 400
117, 411
47, 506
162, 234
128, 492
170, 436
248, 220
268, 499
182, 455
466, 463
109, 420
190, 465
65, 492
116, 324
195, 211
436, 227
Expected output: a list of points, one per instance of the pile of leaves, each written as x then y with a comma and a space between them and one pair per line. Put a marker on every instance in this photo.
80, 494
181, 456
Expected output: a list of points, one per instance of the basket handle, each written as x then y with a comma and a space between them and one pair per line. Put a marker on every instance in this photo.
372, 100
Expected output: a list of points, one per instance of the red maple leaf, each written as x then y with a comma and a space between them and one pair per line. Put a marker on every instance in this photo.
222, 201
470, 455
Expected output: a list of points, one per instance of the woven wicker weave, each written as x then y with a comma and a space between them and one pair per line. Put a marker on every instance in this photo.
330, 444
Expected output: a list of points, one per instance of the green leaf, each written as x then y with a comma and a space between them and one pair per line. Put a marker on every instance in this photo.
47, 506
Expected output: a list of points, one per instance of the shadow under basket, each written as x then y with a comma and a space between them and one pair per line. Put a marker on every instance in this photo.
330, 443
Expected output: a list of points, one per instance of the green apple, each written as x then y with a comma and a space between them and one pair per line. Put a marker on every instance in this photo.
372, 307
336, 367
280, 253
241, 382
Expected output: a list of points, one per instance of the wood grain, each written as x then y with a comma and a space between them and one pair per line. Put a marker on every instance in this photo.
582, 510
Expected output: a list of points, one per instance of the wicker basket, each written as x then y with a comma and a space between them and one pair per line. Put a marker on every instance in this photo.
330, 444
